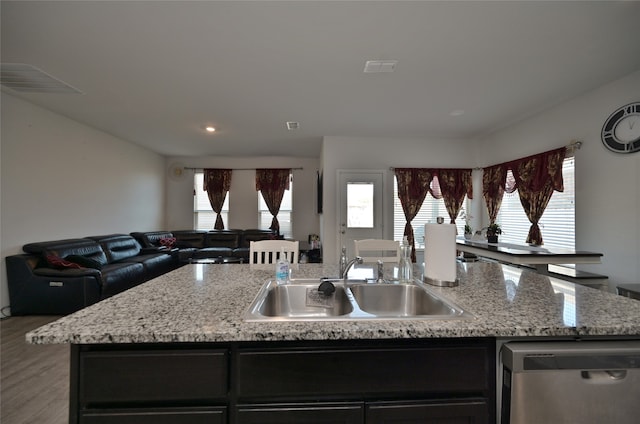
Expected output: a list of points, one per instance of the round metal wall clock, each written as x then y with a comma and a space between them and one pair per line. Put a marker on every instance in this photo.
621, 131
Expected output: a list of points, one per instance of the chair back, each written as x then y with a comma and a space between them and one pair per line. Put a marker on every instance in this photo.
374, 250
264, 253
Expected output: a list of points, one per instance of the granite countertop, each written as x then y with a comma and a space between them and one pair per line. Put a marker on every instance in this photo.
206, 303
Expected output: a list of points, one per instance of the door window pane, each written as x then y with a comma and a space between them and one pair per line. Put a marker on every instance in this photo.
360, 205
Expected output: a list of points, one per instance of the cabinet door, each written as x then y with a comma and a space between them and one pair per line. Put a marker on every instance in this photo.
158, 376
156, 416
438, 370
428, 412
316, 413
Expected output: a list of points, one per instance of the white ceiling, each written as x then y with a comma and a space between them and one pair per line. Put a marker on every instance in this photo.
157, 72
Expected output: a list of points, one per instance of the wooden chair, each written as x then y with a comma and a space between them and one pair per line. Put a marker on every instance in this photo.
373, 250
264, 254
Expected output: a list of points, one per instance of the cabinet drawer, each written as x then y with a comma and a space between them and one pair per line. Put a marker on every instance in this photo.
157, 416
456, 411
339, 373
197, 376
316, 413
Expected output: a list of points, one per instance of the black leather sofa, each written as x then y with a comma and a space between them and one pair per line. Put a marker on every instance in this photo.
62, 276
83, 271
197, 244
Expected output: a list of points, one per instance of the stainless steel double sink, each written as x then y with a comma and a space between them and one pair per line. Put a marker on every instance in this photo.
299, 300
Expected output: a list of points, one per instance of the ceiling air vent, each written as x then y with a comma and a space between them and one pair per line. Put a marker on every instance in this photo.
293, 125
29, 79
376, 66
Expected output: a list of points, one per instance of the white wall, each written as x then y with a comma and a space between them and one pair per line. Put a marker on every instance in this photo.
61, 179
381, 153
607, 184
243, 198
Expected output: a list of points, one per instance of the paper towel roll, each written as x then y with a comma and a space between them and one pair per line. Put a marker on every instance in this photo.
440, 252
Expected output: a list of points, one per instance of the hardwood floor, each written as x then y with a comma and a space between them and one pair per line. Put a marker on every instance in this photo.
34, 379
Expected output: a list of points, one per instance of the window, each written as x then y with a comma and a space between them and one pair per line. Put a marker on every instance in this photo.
284, 215
557, 224
204, 218
360, 207
430, 210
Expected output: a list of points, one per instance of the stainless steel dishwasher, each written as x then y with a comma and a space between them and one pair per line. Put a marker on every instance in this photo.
577, 382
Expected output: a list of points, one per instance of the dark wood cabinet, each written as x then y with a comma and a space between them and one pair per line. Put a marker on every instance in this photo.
371, 381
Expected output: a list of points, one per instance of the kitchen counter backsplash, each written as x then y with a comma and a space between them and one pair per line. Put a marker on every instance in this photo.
206, 303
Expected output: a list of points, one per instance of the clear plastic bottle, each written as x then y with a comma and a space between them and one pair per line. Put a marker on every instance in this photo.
343, 260
405, 267
282, 268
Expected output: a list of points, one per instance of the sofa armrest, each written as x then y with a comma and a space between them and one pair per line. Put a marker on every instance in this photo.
37, 291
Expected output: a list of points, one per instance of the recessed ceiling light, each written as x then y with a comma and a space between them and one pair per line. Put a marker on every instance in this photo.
210, 129
291, 125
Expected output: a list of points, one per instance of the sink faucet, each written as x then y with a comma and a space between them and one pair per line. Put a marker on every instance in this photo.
380, 272
350, 264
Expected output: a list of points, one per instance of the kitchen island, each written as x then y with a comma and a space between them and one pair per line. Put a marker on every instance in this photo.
177, 349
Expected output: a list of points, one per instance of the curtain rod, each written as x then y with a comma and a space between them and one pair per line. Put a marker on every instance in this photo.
571, 148
240, 169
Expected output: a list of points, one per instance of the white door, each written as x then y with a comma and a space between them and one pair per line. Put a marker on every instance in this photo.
360, 206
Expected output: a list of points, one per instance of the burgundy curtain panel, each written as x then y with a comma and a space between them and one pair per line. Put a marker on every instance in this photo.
413, 186
493, 182
272, 183
217, 183
454, 185
536, 179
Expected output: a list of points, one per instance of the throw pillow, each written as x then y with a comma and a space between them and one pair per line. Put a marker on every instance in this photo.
168, 241
84, 262
59, 263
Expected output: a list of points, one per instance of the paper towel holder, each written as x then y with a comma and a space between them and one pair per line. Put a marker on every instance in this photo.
440, 283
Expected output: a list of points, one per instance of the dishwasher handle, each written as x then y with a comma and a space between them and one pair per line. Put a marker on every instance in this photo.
604, 377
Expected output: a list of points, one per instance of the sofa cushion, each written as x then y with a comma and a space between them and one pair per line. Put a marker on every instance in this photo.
155, 263
222, 238
63, 248
189, 238
84, 261
120, 276
255, 235
118, 247
213, 252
